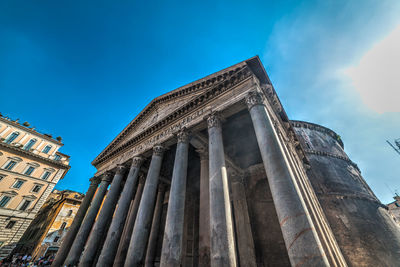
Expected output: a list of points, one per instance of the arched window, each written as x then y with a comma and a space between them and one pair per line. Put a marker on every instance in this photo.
46, 149
30, 144
12, 137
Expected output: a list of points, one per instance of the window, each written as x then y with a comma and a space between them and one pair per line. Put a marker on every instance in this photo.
46, 175
4, 200
69, 213
10, 224
57, 157
10, 165
36, 188
63, 226
2, 176
29, 170
56, 239
46, 149
12, 137
18, 184
25, 204
30, 144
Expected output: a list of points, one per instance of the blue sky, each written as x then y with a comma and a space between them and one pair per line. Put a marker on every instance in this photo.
83, 70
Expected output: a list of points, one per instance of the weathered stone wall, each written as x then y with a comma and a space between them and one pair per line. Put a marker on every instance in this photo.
270, 248
365, 232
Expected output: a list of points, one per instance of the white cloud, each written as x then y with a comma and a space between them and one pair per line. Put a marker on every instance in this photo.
377, 76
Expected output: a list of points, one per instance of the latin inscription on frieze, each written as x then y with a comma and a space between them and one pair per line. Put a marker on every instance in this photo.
163, 135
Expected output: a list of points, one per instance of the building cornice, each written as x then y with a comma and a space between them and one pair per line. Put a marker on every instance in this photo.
19, 175
16, 124
359, 196
326, 154
62, 154
319, 128
39, 158
215, 85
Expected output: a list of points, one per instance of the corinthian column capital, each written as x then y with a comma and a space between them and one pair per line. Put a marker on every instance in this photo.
137, 161
107, 177
158, 150
253, 98
183, 136
120, 168
95, 180
213, 120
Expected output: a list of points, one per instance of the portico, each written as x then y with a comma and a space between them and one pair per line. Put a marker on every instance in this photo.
222, 184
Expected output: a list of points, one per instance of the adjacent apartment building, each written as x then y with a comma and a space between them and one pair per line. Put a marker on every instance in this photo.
47, 231
30, 167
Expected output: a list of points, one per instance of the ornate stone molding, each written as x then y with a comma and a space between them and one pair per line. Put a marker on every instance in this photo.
276, 104
22, 152
340, 196
253, 98
183, 136
272, 97
319, 128
217, 85
158, 150
326, 154
137, 162
213, 120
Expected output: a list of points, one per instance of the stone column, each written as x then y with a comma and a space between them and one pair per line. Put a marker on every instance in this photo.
204, 218
221, 230
110, 246
301, 239
128, 228
105, 215
84, 231
155, 226
140, 234
244, 235
171, 253
74, 228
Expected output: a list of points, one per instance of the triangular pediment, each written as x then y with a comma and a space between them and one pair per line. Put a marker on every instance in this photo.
158, 113
162, 106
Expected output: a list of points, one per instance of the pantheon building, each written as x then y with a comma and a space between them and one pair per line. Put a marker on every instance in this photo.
215, 174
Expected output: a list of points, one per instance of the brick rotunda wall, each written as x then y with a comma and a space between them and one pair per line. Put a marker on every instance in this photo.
362, 226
